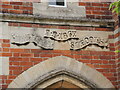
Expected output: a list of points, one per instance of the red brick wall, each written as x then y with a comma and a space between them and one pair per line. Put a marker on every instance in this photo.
17, 7
22, 59
94, 10
97, 10
117, 47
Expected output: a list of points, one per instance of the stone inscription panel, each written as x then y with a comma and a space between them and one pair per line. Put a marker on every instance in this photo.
61, 39
61, 35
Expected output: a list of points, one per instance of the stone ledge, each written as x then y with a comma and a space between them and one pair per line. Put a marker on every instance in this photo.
40, 19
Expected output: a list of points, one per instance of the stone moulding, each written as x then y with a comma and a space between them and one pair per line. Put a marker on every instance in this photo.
7, 17
60, 65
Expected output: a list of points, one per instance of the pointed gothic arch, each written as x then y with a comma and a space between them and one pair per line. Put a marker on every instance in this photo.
59, 69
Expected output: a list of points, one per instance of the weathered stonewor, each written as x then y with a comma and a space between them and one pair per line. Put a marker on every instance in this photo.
88, 40
68, 46
47, 41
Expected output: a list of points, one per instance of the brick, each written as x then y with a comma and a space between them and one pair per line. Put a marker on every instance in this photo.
4, 77
16, 11
105, 57
16, 54
5, 11
91, 65
90, 16
81, 4
95, 57
13, 24
8, 81
112, 78
110, 53
7, 6
16, 50
65, 51
71, 56
45, 55
97, 4
91, 8
103, 70
15, 59
26, 55
108, 74
105, 66
36, 50
55, 55
111, 44
84, 52
56, 51
25, 25
16, 7
14, 63
5, 2
113, 66
4, 86
106, 17
6, 50
88, 4
25, 59
36, 25
35, 59
117, 35
25, 67
112, 49
95, 53
112, 62
96, 61
112, 70
36, 55
86, 57
11, 77
27, 50
105, 61
15, 68
77, 56
7, 54
111, 37
84, 61
106, 4
5, 45
103, 29
16, 3
26, 63
6, 41
25, 8
17, 72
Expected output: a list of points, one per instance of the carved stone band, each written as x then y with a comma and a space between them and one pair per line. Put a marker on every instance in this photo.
61, 35
89, 40
45, 43
48, 41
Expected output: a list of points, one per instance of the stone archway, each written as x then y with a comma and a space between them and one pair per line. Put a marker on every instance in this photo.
60, 69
